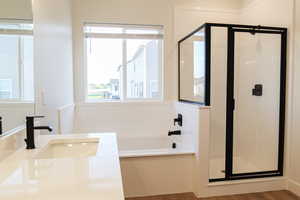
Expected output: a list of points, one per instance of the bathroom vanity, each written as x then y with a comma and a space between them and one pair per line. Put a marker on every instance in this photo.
77, 167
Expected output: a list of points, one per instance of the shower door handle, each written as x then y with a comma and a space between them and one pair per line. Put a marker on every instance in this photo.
233, 104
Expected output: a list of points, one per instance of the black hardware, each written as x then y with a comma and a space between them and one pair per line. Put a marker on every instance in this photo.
252, 29
174, 145
178, 132
1, 130
207, 32
257, 90
232, 29
178, 120
30, 131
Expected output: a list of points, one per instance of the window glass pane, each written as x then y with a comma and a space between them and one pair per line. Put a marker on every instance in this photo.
108, 51
9, 67
199, 66
143, 68
28, 84
104, 62
192, 68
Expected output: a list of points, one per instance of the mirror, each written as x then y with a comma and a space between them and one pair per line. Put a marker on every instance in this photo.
16, 63
192, 68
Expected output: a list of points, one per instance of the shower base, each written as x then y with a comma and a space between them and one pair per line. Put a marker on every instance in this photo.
217, 167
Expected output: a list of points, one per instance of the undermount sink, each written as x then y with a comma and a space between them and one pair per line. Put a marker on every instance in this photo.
69, 149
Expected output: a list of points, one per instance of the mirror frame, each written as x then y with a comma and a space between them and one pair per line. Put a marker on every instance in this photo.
207, 43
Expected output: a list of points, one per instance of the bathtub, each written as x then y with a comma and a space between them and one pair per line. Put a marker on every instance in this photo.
148, 165
143, 147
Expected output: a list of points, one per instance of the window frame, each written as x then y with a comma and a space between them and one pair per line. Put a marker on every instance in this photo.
123, 78
20, 33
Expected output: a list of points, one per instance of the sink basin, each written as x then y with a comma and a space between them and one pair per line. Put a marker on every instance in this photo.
69, 149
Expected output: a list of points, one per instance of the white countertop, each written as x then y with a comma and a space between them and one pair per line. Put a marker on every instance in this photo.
25, 177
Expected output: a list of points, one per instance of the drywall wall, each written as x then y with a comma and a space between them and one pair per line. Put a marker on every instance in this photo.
168, 13
188, 17
267, 12
134, 118
53, 57
257, 112
153, 12
220, 5
15, 9
294, 172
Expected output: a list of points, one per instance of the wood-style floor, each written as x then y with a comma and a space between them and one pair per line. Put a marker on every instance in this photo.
276, 195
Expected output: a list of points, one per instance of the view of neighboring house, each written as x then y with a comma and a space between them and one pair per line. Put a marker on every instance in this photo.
142, 72
142, 76
199, 87
105, 91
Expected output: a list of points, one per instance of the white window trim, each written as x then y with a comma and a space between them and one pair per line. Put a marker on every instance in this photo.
123, 94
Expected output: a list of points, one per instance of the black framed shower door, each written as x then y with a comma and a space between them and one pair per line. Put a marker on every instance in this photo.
258, 93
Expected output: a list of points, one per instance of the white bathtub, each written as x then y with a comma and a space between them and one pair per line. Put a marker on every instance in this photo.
142, 147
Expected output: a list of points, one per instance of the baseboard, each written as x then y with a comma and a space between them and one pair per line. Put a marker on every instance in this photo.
242, 187
294, 187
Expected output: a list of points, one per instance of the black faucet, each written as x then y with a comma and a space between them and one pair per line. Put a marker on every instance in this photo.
30, 131
178, 132
1, 130
178, 120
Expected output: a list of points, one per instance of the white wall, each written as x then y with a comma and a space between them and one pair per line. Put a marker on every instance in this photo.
294, 172
153, 12
53, 57
15, 9
267, 12
189, 16
258, 112
131, 119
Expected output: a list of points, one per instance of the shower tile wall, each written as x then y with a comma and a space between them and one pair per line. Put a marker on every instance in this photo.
257, 118
245, 152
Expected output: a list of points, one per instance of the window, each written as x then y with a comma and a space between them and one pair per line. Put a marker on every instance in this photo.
16, 61
124, 62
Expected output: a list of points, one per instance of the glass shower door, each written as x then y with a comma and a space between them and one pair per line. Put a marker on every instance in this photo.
255, 94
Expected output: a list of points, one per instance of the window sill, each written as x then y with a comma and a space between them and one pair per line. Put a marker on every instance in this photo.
16, 102
125, 103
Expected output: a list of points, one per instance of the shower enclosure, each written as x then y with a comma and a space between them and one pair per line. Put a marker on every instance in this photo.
240, 71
